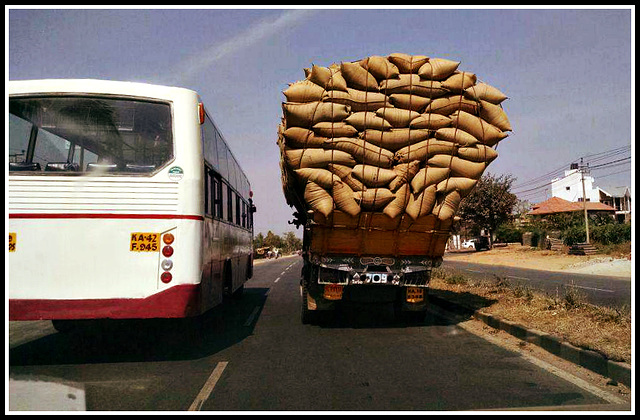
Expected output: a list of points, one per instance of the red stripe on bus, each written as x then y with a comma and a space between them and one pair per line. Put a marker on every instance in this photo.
177, 302
102, 216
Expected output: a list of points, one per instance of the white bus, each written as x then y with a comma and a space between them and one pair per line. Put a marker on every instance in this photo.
124, 201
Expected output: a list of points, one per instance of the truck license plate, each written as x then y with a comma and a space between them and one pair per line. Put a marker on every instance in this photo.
376, 277
145, 242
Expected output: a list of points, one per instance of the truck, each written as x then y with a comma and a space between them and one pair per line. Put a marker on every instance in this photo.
376, 156
369, 259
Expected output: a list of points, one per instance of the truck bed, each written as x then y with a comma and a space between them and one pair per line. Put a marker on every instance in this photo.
375, 234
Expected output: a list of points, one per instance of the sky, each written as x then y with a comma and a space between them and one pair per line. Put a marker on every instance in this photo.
568, 73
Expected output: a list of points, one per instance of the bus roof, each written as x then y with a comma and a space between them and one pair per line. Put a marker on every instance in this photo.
96, 86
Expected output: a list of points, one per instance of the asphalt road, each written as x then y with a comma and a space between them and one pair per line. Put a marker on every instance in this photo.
254, 354
599, 290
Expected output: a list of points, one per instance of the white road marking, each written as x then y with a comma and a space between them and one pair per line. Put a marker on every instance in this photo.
556, 371
516, 277
590, 288
208, 387
253, 315
277, 280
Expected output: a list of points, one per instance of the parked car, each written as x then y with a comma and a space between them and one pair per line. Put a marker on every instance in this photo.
470, 243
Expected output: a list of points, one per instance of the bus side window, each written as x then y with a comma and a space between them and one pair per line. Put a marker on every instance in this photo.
229, 205
238, 212
244, 214
208, 199
216, 201
224, 198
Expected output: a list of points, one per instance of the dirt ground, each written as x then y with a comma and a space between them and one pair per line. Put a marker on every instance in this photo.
525, 257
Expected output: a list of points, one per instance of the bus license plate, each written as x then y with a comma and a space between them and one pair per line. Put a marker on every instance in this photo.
145, 242
12, 242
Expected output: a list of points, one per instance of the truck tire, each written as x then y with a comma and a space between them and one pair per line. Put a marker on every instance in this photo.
306, 316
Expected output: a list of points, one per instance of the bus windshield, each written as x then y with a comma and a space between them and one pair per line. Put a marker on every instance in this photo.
77, 134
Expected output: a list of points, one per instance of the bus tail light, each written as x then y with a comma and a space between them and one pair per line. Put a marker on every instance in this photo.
167, 251
166, 265
168, 238
166, 277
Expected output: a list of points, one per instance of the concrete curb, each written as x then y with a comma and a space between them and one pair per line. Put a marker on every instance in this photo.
595, 362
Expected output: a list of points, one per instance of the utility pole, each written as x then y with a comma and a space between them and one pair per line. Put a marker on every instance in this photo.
583, 169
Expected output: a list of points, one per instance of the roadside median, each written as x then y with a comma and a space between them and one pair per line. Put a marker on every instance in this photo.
597, 338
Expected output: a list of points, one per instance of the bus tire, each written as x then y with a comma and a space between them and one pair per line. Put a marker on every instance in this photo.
65, 326
238, 293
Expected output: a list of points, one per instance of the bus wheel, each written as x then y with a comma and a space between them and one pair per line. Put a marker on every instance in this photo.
238, 293
65, 326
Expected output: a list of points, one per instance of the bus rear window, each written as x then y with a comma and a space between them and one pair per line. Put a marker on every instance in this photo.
96, 135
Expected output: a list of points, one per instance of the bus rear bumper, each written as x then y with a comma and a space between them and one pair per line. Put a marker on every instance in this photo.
180, 301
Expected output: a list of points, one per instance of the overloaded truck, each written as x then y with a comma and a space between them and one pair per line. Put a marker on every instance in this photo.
376, 156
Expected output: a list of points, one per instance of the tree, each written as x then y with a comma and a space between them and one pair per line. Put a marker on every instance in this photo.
258, 241
489, 204
291, 242
272, 240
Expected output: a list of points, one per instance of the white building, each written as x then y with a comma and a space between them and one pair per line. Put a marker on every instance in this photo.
569, 187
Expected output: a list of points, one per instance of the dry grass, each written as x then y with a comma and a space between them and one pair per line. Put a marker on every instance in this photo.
566, 315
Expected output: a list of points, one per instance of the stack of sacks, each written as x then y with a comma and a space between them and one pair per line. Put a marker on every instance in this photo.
399, 134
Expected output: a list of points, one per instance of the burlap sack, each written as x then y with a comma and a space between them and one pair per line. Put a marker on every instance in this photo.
438, 68
301, 138
424, 150
318, 199
327, 78
446, 207
365, 120
412, 84
358, 77
334, 129
358, 100
343, 198
431, 121
456, 135
398, 117
408, 63
396, 138
304, 91
485, 92
421, 204
372, 176
449, 104
458, 82
316, 158
404, 174
412, 102
344, 172
380, 67
495, 115
459, 167
478, 153
456, 183
427, 177
374, 198
399, 203
307, 114
362, 151
477, 127
320, 176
